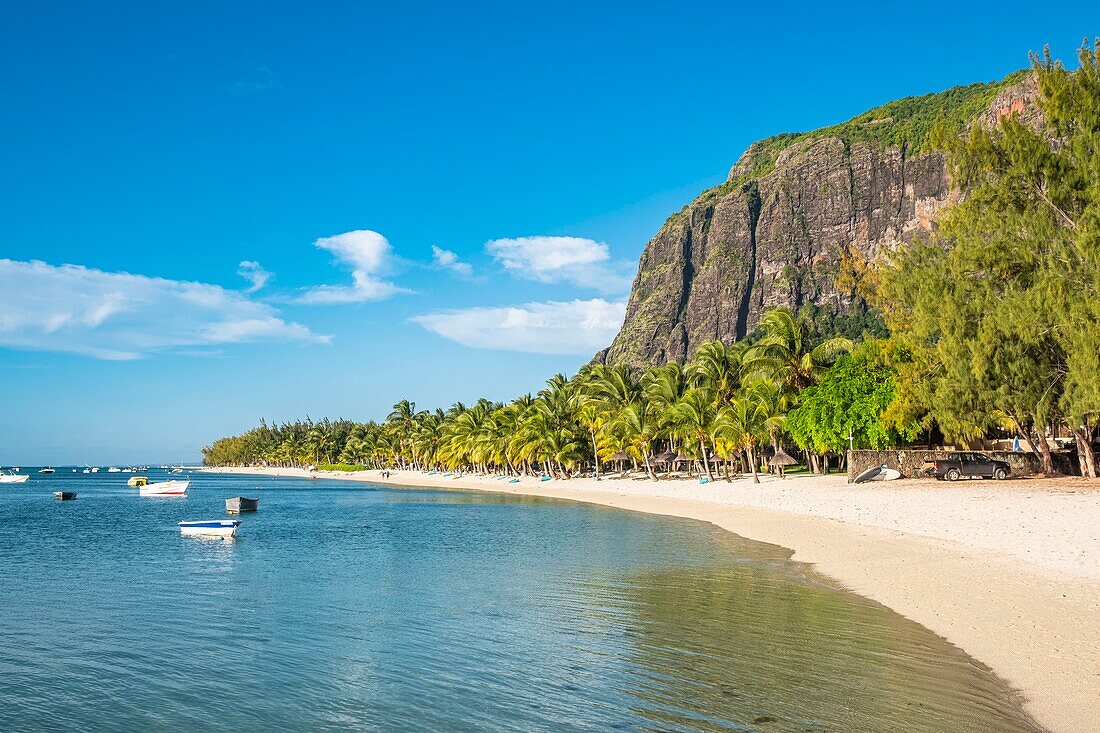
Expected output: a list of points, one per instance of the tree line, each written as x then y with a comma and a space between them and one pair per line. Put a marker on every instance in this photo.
716, 413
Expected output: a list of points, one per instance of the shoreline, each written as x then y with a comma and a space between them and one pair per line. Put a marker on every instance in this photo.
1007, 571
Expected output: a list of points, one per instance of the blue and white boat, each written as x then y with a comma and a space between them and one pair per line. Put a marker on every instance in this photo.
210, 528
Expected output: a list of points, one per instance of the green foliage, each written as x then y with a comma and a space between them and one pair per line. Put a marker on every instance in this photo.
908, 123
999, 316
851, 396
826, 323
728, 402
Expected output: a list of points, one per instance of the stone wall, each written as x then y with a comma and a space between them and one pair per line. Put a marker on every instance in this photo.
908, 462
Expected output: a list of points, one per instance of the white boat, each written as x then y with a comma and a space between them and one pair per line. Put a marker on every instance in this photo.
86, 470
95, 469
13, 478
114, 469
877, 473
211, 528
47, 469
164, 488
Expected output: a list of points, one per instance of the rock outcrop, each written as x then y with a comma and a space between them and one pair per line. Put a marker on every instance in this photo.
773, 233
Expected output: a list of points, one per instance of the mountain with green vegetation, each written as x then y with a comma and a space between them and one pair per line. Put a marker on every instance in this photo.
777, 232
987, 306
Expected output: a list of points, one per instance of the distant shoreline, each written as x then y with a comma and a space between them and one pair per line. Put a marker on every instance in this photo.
1007, 571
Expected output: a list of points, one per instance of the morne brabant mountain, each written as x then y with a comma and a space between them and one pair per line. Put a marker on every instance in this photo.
774, 233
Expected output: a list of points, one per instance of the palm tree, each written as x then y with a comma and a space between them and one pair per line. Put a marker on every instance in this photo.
637, 423
745, 423
717, 367
694, 414
787, 353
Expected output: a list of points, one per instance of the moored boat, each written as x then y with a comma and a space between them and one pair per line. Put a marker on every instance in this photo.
138, 481
64, 495
46, 469
211, 528
164, 488
239, 504
13, 478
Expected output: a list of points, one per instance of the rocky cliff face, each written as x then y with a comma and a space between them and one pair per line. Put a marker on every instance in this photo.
772, 234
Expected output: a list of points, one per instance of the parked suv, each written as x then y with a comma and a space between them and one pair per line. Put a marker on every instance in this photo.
958, 465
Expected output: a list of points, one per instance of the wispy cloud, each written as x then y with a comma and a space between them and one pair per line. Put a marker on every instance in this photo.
445, 259
116, 315
251, 271
554, 327
576, 260
369, 256
262, 82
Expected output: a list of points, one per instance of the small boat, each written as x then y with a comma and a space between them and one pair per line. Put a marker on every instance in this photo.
114, 469
138, 481
86, 470
177, 470
64, 495
164, 488
239, 504
212, 528
877, 473
13, 478
95, 469
47, 469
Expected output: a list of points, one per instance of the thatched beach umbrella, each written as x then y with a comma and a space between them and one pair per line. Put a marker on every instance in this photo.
781, 459
621, 456
664, 457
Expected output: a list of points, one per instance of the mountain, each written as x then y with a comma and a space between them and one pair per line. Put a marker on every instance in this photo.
773, 233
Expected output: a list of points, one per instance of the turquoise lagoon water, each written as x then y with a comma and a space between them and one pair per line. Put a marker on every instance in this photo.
350, 607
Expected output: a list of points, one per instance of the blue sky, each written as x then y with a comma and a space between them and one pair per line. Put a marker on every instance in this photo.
155, 147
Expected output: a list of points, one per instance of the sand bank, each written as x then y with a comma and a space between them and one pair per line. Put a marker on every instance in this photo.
1008, 571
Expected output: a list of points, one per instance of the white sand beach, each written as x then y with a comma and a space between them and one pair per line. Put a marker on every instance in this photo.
1008, 571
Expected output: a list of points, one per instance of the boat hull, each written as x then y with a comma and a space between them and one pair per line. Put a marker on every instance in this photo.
239, 504
164, 488
877, 473
64, 495
13, 478
215, 528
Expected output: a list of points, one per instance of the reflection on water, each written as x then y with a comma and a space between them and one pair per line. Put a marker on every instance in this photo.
340, 606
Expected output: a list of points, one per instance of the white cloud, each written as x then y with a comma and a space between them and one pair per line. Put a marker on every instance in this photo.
445, 259
251, 271
555, 327
116, 315
576, 260
368, 254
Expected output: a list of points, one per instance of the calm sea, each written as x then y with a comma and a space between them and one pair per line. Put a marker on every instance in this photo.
350, 607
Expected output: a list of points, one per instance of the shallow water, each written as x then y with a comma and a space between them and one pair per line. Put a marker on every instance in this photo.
349, 607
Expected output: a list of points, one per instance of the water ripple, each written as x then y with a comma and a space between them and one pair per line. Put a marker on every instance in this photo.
348, 607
